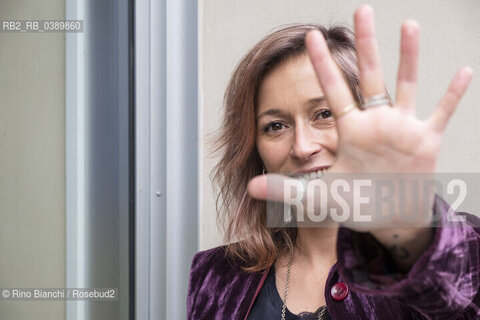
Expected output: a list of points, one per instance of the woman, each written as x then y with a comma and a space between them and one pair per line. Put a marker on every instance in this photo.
304, 101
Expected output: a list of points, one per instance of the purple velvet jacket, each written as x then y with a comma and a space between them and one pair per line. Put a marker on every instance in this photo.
442, 284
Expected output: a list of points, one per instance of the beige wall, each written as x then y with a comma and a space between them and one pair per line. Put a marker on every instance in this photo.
32, 160
449, 39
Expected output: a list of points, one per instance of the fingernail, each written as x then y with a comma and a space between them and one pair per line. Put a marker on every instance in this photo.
410, 26
366, 11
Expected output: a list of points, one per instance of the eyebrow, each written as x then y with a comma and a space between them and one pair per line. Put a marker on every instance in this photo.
273, 112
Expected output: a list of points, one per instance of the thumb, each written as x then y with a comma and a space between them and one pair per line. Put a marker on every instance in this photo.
273, 187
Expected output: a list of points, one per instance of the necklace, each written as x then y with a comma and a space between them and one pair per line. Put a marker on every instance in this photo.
287, 283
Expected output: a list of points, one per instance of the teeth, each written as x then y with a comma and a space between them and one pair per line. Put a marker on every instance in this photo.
314, 175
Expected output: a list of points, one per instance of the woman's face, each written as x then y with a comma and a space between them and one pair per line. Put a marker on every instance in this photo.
295, 129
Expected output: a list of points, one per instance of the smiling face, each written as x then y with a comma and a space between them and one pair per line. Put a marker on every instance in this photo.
295, 129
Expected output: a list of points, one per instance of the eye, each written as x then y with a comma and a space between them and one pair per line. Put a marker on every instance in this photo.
273, 126
323, 114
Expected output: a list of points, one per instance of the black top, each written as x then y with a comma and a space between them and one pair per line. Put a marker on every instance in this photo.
268, 305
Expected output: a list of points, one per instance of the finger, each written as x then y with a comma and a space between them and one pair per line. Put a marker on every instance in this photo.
408, 67
336, 90
257, 187
371, 75
274, 187
445, 108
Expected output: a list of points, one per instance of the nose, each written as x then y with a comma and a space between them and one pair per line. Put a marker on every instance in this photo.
305, 143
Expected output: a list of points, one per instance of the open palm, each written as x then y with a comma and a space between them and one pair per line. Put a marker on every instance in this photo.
380, 139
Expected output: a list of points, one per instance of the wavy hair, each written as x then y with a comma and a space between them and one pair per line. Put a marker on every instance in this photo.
242, 218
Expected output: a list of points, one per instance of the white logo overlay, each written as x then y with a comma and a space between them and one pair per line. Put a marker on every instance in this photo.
378, 200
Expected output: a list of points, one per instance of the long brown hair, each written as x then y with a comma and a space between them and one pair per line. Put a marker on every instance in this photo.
242, 217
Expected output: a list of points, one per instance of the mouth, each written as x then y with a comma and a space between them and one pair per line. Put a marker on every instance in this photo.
314, 173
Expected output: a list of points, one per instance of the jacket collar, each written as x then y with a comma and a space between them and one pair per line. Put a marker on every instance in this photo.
259, 287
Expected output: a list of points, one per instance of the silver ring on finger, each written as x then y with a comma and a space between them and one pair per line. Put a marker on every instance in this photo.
377, 100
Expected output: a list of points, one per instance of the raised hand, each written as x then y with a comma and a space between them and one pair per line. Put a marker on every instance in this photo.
381, 138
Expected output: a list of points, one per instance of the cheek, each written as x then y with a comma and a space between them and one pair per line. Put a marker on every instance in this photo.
273, 153
328, 138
